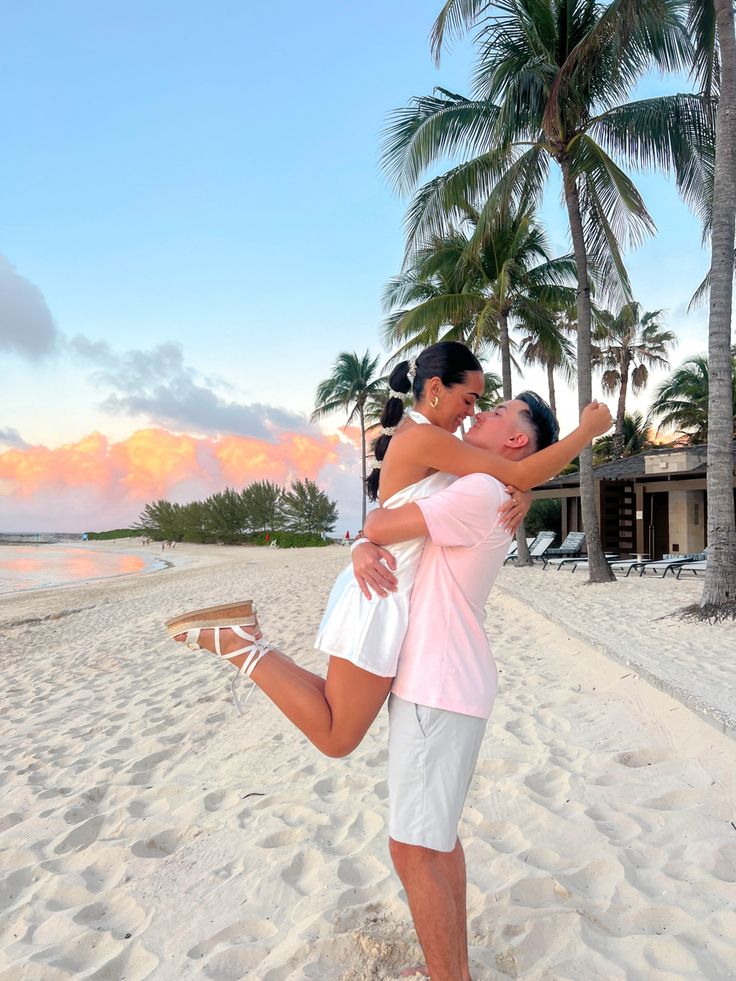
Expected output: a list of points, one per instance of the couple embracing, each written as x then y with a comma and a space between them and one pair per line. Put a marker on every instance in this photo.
407, 623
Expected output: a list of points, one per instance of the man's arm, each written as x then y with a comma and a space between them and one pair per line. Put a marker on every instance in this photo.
386, 526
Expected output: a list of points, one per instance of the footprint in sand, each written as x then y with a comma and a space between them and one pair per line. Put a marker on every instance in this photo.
676, 800
279, 839
10, 820
241, 932
362, 871
646, 757
305, 873
81, 837
159, 846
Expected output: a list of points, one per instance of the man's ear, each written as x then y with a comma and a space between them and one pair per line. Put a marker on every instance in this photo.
517, 441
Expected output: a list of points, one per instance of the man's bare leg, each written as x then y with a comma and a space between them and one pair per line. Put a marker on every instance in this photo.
334, 714
435, 885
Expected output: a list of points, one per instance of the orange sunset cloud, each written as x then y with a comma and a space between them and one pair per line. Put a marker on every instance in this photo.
97, 476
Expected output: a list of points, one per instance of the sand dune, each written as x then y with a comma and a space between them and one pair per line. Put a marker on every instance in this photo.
147, 831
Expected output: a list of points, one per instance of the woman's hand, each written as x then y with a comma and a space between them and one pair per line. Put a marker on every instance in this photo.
513, 512
372, 567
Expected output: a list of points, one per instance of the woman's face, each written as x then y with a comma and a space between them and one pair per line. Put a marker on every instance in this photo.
453, 404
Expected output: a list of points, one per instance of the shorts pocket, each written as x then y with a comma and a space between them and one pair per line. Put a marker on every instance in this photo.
424, 718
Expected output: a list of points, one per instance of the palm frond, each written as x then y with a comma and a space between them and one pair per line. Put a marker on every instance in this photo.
430, 128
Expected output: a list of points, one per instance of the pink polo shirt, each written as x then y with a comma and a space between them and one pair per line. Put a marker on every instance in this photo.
446, 660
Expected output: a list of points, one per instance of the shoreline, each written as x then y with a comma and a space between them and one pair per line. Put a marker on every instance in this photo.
154, 833
114, 546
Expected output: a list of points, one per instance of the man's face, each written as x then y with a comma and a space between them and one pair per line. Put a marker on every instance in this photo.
502, 429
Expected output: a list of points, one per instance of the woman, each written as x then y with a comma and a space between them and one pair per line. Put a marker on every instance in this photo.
414, 457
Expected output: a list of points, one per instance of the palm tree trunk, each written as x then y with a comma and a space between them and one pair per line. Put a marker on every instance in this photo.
719, 593
598, 568
551, 386
522, 549
505, 346
618, 436
361, 416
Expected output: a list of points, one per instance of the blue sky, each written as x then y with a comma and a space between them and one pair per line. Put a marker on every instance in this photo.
209, 178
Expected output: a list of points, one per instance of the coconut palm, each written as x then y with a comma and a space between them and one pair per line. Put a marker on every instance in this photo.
628, 343
635, 440
449, 291
681, 401
712, 25
352, 384
549, 345
551, 84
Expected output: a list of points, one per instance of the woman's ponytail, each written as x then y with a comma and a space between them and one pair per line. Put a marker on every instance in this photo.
401, 381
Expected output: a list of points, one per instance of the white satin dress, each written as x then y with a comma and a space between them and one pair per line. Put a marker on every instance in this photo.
370, 632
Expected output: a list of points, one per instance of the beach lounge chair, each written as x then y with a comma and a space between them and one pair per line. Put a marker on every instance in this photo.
576, 560
664, 566
696, 567
569, 549
514, 548
541, 544
625, 565
511, 554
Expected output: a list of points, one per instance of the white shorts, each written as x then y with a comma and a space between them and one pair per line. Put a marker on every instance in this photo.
431, 758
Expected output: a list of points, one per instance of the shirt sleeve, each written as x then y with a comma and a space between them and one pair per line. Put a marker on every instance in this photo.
466, 512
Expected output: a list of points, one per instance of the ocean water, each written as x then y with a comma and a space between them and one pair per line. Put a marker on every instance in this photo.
40, 566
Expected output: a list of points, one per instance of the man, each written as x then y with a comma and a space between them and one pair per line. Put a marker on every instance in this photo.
446, 681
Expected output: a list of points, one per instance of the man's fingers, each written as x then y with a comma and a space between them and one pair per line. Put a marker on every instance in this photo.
388, 558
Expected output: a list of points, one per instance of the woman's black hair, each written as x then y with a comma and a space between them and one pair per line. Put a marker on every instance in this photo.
449, 361
542, 420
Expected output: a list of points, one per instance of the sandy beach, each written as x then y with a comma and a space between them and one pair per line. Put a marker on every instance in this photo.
148, 831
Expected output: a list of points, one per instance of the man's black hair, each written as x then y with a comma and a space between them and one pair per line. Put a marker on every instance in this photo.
541, 418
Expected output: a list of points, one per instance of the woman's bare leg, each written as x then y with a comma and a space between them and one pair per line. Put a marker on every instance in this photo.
334, 713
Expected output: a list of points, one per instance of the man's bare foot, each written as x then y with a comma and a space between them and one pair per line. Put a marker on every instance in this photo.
413, 972
229, 641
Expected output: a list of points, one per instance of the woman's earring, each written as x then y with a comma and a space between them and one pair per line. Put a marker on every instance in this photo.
434, 402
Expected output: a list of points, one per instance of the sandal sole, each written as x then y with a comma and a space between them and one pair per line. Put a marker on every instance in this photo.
225, 615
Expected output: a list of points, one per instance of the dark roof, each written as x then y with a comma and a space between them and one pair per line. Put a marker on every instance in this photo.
631, 467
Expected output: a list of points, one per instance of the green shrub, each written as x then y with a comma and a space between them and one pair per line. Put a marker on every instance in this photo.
545, 514
99, 536
294, 539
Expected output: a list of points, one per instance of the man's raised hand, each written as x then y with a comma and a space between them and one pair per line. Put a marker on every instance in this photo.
596, 419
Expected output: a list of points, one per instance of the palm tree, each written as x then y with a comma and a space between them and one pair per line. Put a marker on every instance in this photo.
628, 343
713, 21
449, 292
352, 384
551, 82
635, 440
549, 346
681, 402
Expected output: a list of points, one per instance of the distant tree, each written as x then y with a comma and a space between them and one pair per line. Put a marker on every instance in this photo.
492, 392
627, 344
545, 514
225, 516
681, 401
308, 509
162, 520
548, 344
194, 524
262, 505
635, 440
352, 384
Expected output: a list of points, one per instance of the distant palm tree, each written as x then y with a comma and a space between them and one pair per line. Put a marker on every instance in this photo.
681, 401
492, 392
636, 440
350, 387
627, 344
549, 345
